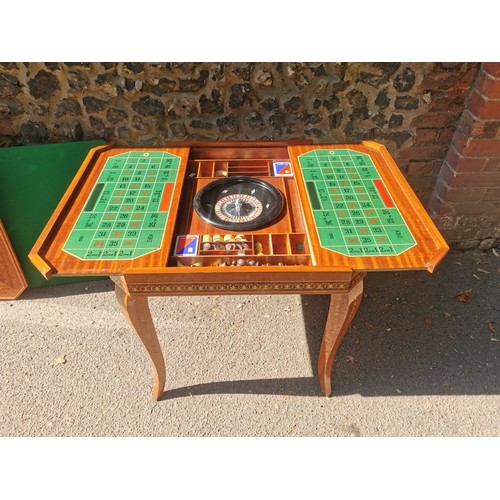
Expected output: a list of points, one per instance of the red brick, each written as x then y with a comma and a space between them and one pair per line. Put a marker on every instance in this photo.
445, 222
492, 165
472, 126
461, 164
453, 194
425, 135
488, 232
477, 221
473, 208
443, 100
445, 135
438, 81
484, 108
444, 80
493, 68
492, 194
422, 183
460, 141
476, 194
488, 86
435, 119
485, 130
481, 148
448, 174
482, 179
423, 152
434, 205
467, 79
463, 234
449, 210
466, 122
465, 193
458, 235
441, 190
475, 148
417, 168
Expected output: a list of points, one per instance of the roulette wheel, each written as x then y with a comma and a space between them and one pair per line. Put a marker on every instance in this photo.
239, 203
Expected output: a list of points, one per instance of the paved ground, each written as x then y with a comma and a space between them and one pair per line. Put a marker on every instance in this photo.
416, 362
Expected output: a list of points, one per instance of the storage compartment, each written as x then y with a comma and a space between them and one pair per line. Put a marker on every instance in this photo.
262, 244
280, 244
192, 169
240, 261
206, 169
298, 244
246, 250
220, 169
260, 168
228, 244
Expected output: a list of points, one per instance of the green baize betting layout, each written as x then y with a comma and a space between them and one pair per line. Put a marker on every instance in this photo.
353, 211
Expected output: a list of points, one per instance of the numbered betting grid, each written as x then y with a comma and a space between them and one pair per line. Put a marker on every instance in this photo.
125, 215
353, 211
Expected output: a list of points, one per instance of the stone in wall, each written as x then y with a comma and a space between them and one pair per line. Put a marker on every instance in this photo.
404, 81
382, 100
115, 116
211, 105
159, 86
43, 85
9, 85
194, 84
33, 133
147, 106
395, 120
70, 131
67, 107
77, 82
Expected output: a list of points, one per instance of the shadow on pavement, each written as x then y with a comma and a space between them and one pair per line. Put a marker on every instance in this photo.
299, 386
409, 337
100, 285
412, 337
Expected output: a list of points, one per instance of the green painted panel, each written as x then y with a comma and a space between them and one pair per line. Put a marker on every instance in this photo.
32, 181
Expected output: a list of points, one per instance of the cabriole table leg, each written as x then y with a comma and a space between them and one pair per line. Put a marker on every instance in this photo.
136, 310
343, 307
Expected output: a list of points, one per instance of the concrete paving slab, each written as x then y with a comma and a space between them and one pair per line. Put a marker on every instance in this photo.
416, 361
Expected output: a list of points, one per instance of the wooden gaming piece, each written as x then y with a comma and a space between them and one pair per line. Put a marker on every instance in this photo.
12, 280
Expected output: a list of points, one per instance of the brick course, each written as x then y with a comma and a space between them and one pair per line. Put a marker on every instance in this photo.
466, 198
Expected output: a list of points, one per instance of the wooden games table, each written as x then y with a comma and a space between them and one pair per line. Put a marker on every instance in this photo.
238, 218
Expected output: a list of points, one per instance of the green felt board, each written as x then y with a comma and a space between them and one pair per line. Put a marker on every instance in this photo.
33, 179
352, 208
126, 213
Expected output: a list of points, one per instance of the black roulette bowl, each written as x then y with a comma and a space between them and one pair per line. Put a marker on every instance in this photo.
239, 203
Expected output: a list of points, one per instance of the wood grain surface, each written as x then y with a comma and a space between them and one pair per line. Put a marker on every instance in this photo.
430, 247
48, 254
12, 280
